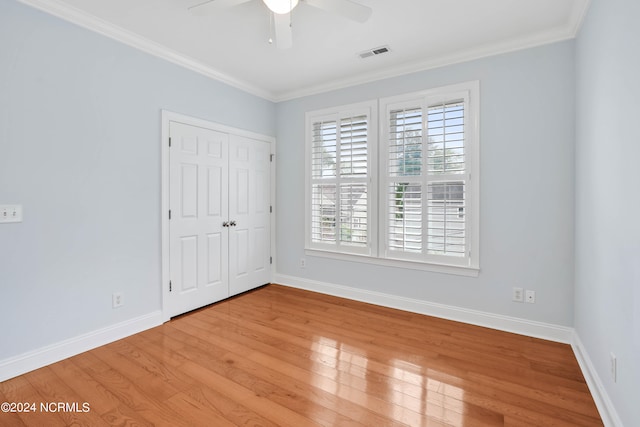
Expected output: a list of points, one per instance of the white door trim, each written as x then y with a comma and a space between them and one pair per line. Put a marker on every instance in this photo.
169, 116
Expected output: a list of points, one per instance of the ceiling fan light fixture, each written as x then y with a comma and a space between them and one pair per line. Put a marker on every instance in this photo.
281, 6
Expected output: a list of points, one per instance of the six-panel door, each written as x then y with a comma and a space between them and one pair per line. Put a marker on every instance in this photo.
249, 236
219, 232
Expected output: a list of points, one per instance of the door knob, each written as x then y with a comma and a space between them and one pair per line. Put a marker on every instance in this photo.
232, 224
225, 224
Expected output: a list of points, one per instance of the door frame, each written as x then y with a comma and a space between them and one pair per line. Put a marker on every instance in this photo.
170, 116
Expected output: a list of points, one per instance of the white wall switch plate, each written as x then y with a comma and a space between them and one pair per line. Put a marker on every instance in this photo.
10, 213
518, 295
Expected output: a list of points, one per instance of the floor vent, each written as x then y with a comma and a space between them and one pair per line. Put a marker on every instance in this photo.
374, 52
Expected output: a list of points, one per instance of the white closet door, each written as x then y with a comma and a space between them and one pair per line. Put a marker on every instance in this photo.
249, 234
198, 194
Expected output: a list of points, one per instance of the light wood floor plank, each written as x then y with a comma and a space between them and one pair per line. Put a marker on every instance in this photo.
279, 356
20, 391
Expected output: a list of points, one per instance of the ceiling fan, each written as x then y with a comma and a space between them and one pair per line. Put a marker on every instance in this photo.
282, 13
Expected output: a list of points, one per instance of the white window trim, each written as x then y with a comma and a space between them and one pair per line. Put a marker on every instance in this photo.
377, 163
398, 263
470, 93
369, 108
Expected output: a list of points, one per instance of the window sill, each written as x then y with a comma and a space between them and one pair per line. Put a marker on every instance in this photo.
413, 265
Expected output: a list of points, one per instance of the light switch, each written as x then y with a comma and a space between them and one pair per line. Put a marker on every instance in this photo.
10, 213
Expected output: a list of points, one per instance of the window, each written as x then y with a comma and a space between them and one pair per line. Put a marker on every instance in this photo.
339, 205
421, 199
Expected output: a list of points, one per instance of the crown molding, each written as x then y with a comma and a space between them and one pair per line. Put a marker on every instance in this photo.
64, 11
569, 31
577, 17
78, 17
432, 63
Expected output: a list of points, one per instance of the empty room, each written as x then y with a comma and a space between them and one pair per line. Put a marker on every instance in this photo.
319, 213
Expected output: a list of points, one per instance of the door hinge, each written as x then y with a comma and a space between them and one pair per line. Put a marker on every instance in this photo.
169, 213
169, 141
270, 260
271, 157
169, 285
270, 209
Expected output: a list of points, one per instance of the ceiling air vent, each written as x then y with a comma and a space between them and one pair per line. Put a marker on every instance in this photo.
375, 51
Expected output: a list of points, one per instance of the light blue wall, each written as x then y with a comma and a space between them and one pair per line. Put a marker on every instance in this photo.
526, 203
607, 285
80, 149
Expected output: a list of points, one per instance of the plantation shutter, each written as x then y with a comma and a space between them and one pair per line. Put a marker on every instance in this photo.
323, 172
446, 201
404, 192
426, 180
340, 218
398, 187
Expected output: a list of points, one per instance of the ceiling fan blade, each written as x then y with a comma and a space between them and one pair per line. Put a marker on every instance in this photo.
284, 36
209, 7
347, 8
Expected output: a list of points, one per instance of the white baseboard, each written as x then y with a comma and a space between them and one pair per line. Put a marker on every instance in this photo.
44, 356
605, 407
529, 328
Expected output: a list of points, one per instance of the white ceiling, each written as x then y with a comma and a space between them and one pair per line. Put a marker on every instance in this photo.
232, 44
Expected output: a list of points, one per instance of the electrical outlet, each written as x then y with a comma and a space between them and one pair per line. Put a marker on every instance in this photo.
10, 213
117, 300
530, 296
517, 295
303, 263
614, 367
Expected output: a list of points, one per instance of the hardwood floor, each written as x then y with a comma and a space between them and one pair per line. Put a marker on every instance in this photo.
278, 356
